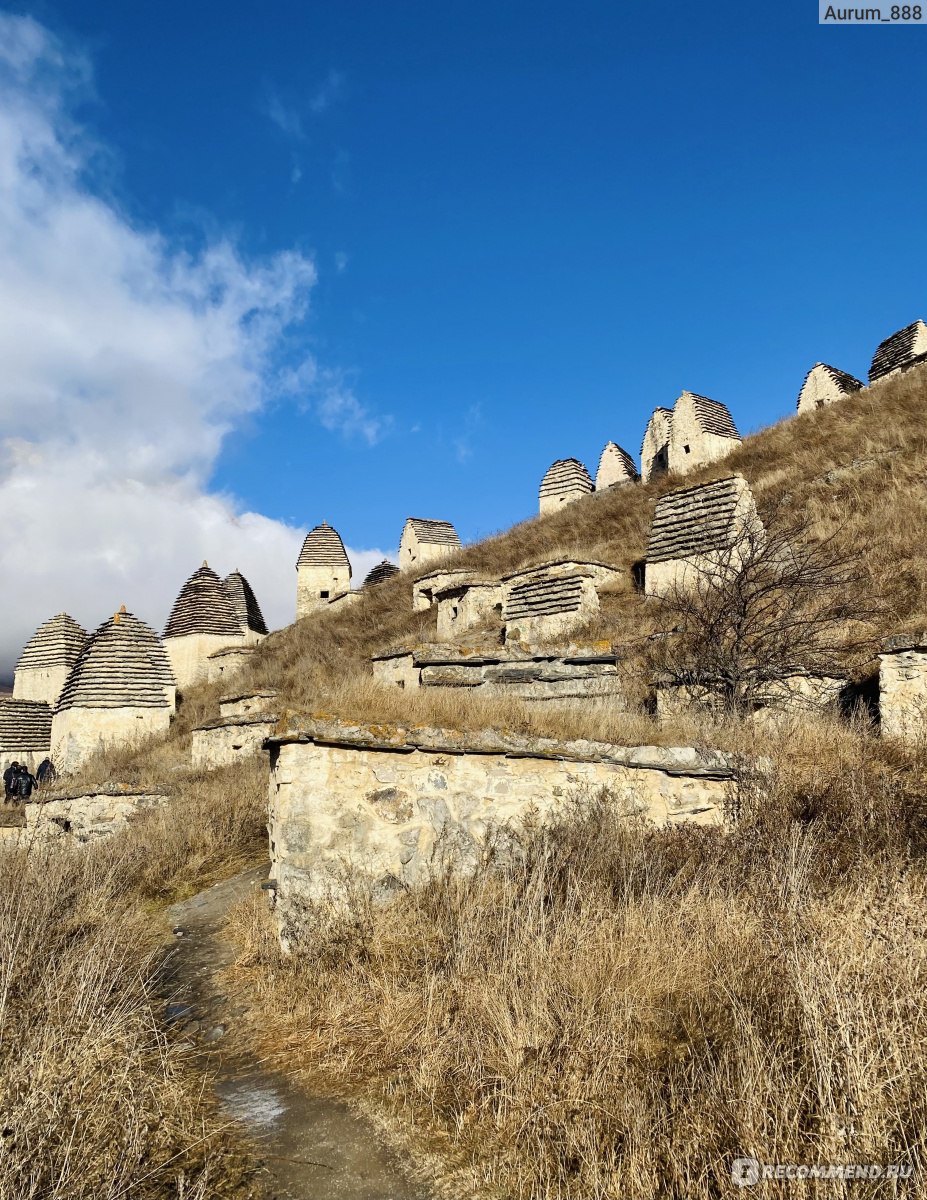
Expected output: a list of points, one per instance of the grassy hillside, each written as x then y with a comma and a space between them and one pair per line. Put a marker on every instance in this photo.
617, 1013
855, 469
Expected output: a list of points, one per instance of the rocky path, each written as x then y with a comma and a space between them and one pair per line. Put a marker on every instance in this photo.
310, 1147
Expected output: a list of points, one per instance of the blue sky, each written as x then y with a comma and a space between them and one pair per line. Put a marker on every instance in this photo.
526, 226
531, 223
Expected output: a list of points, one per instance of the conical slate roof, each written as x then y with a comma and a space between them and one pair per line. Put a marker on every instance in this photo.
695, 520
119, 667
24, 725
565, 475
712, 416
203, 606
56, 643
380, 573
323, 547
147, 636
903, 349
246, 605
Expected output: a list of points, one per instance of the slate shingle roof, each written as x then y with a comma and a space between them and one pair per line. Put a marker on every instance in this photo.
56, 643
203, 606
695, 520
245, 602
903, 349
842, 382
565, 475
122, 665
713, 416
380, 573
24, 725
433, 533
613, 450
323, 547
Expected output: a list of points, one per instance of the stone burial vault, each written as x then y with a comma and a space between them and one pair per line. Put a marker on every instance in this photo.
692, 527
119, 692
551, 600
47, 659
905, 349
426, 587
557, 673
425, 541
823, 385
616, 467
696, 432
565, 481
386, 807
468, 603
244, 721
903, 686
323, 570
208, 616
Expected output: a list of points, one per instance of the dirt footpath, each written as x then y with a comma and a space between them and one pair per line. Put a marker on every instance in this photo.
310, 1147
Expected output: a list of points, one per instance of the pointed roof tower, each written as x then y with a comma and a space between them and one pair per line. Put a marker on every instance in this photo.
903, 349
246, 606
615, 466
119, 667
323, 547
56, 643
564, 481
203, 606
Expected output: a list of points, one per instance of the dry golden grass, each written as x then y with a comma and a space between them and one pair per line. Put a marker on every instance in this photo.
856, 467
618, 1011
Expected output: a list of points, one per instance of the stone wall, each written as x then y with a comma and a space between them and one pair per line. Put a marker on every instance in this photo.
87, 816
189, 654
226, 664
40, 684
463, 605
230, 739
317, 586
78, 733
247, 702
351, 804
903, 686
793, 695
702, 432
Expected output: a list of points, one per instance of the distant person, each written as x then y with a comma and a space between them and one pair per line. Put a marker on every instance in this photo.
25, 785
9, 782
46, 773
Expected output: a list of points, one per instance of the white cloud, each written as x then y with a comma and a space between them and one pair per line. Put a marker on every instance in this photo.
124, 364
287, 119
327, 93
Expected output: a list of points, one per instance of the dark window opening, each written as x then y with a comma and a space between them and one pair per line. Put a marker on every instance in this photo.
685, 449
323, 595
638, 574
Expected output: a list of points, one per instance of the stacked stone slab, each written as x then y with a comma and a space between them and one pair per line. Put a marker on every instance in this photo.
823, 385
466, 603
565, 482
558, 673
903, 687
692, 527
25, 732
425, 541
158, 654
226, 664
246, 605
380, 573
47, 659
903, 350
655, 446
551, 600
244, 721
203, 620
323, 570
115, 694
616, 467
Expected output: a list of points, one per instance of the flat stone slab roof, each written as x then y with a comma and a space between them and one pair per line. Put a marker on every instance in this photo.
916, 640
328, 731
